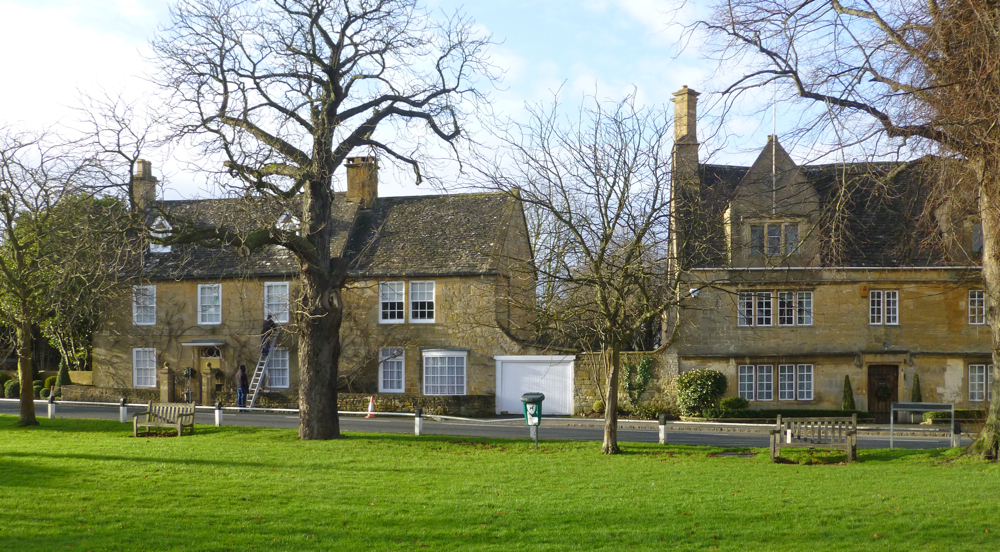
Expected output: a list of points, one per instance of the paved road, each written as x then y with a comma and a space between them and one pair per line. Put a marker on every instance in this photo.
552, 430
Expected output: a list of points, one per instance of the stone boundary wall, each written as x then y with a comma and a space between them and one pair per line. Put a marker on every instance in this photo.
589, 373
445, 405
89, 393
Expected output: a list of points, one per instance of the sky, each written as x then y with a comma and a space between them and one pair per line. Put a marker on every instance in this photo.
607, 48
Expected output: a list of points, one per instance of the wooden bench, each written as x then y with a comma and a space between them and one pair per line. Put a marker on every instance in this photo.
828, 433
173, 415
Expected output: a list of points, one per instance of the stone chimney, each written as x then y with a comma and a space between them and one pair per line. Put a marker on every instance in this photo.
685, 153
143, 185
362, 180
685, 193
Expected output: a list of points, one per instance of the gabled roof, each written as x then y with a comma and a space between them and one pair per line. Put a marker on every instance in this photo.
439, 235
430, 235
883, 214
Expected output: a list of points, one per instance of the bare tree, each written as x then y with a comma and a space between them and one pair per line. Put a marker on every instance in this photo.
922, 74
282, 91
57, 242
596, 187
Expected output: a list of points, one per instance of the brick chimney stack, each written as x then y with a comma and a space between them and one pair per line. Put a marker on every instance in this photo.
685, 153
143, 185
362, 180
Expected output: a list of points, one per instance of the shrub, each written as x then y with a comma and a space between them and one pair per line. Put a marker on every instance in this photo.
960, 414
44, 393
652, 411
915, 394
63, 377
36, 387
698, 390
50, 381
12, 389
4, 378
599, 406
848, 402
785, 413
734, 403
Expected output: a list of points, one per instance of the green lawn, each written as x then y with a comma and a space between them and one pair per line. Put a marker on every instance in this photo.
89, 485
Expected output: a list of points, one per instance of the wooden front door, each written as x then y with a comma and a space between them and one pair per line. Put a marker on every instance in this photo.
883, 390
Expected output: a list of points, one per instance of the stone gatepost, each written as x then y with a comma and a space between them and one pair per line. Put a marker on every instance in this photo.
165, 377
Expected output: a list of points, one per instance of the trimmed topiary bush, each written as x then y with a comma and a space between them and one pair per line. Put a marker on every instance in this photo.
734, 403
12, 389
915, 394
599, 406
698, 390
44, 393
50, 381
848, 402
36, 387
63, 377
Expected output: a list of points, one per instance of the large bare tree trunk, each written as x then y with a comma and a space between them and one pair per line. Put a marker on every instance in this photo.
989, 210
319, 354
611, 408
24, 346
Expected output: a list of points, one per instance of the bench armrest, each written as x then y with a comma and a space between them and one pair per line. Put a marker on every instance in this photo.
144, 413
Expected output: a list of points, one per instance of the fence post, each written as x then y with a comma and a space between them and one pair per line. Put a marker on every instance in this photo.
52, 403
218, 414
663, 428
123, 411
418, 421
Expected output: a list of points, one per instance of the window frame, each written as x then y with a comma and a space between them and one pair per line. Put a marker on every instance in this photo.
137, 292
977, 307
160, 229
464, 355
794, 308
202, 318
883, 307
268, 294
382, 311
391, 354
762, 235
752, 383
136, 378
796, 382
279, 353
413, 301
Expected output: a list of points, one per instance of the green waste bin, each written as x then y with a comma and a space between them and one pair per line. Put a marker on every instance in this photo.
533, 413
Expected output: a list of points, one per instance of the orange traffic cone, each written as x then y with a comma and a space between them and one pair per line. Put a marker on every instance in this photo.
371, 407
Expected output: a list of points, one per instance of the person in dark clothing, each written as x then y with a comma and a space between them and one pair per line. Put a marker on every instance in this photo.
265, 334
242, 386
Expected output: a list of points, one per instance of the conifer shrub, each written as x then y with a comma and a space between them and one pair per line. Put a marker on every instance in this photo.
915, 394
848, 402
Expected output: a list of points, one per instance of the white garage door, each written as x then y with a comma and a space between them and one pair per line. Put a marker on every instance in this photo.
552, 375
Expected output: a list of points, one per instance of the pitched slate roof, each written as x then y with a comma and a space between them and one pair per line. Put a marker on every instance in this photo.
398, 236
884, 212
430, 235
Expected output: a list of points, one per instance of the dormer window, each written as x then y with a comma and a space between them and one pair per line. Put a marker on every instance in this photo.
160, 229
774, 238
288, 223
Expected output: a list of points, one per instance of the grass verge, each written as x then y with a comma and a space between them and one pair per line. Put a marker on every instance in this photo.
89, 485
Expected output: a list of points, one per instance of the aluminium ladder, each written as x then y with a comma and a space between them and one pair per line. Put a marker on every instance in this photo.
258, 373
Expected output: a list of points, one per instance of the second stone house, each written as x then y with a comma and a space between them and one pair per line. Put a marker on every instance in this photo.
802, 275
439, 288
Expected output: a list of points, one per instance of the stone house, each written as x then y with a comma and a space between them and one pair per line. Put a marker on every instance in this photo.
437, 288
800, 275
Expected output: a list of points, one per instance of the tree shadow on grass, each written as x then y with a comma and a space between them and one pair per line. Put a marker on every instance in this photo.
28, 474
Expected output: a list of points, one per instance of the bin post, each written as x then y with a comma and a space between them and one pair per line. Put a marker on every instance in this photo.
218, 414
418, 421
663, 428
533, 413
52, 403
123, 411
